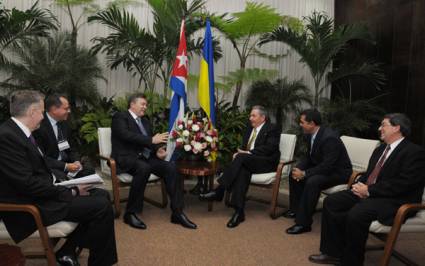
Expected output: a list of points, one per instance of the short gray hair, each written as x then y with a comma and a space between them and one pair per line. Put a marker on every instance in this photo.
21, 100
260, 110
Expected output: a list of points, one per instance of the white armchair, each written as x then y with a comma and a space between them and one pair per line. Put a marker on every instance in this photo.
108, 166
48, 235
272, 180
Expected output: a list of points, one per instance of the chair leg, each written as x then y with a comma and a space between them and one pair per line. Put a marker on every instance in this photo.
47, 245
273, 202
390, 243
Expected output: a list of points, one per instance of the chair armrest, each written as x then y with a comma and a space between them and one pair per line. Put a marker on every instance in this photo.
9, 207
405, 209
354, 176
281, 165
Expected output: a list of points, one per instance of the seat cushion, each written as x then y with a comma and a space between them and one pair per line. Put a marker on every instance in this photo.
263, 179
60, 229
127, 178
334, 189
412, 225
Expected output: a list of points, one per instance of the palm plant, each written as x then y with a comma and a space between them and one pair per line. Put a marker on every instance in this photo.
280, 97
43, 64
320, 44
244, 29
17, 26
149, 54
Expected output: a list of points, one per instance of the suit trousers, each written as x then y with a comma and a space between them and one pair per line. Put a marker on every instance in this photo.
141, 170
304, 194
237, 176
345, 225
95, 229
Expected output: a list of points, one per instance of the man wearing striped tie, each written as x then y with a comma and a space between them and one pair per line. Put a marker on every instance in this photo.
259, 153
395, 176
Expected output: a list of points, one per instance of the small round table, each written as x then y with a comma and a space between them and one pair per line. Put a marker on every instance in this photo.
200, 169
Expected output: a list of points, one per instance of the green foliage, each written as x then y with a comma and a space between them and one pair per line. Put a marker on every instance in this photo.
157, 111
17, 26
352, 118
320, 44
280, 97
231, 124
245, 28
48, 65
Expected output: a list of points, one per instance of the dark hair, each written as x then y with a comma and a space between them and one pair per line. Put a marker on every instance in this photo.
132, 98
53, 100
399, 119
260, 109
21, 100
312, 115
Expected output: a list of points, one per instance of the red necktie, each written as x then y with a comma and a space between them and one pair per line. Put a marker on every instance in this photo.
372, 177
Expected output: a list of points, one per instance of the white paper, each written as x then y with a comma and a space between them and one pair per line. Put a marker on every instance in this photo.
94, 180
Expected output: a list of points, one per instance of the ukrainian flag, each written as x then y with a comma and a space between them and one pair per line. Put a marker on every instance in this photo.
206, 77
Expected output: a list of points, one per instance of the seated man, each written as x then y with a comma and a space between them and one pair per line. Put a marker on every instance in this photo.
26, 179
139, 153
325, 165
260, 154
395, 176
54, 139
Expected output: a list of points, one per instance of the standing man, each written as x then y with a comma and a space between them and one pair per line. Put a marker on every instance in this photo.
54, 139
325, 165
26, 179
260, 154
139, 153
395, 176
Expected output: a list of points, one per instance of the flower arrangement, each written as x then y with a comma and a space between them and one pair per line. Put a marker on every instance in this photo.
195, 135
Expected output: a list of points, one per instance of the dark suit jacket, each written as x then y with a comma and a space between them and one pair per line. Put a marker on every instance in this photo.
266, 143
401, 179
25, 178
48, 143
328, 156
127, 140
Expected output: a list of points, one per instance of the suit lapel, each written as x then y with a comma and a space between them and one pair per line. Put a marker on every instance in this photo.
393, 155
316, 140
49, 128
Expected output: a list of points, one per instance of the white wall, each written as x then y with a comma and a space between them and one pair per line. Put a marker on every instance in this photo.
121, 82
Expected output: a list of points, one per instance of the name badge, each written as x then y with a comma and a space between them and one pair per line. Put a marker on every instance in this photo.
63, 145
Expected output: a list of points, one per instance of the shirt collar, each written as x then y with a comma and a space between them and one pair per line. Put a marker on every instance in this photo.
23, 127
51, 119
396, 143
259, 127
133, 114
315, 134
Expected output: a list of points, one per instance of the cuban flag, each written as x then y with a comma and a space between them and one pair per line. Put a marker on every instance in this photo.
178, 83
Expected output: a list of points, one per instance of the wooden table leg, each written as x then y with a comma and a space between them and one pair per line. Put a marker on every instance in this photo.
211, 187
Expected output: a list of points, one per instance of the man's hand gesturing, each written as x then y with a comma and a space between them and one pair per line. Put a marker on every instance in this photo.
160, 138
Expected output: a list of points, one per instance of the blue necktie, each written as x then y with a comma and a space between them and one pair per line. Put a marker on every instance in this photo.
145, 152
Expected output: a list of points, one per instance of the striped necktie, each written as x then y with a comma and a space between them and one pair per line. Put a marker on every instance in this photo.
251, 139
372, 177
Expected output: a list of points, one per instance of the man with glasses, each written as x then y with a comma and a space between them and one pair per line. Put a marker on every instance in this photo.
395, 176
54, 139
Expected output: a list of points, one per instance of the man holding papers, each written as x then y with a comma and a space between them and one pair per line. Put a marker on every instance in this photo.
25, 178
54, 139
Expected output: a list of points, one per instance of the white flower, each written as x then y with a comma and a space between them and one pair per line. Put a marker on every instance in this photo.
187, 147
179, 140
189, 122
180, 126
206, 153
186, 133
208, 138
195, 127
197, 146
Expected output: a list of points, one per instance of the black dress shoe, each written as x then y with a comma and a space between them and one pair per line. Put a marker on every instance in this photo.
237, 218
134, 221
216, 194
324, 259
298, 229
67, 260
181, 218
289, 214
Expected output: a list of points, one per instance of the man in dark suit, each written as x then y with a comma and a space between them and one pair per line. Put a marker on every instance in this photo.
325, 165
138, 152
26, 179
54, 139
259, 154
395, 176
